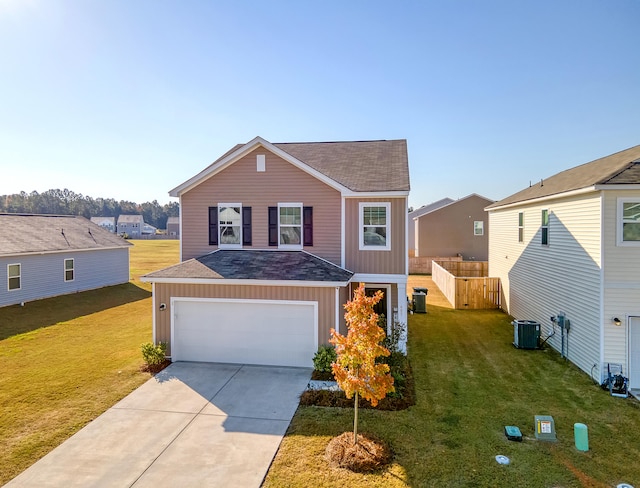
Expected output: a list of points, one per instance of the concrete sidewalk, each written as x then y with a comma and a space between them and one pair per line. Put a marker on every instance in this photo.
193, 424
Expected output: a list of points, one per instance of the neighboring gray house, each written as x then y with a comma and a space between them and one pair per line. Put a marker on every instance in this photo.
173, 226
417, 213
47, 255
107, 223
571, 244
131, 225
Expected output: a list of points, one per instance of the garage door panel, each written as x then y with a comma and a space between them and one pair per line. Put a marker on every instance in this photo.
260, 332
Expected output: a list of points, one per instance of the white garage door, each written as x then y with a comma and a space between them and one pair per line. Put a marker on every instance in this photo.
269, 332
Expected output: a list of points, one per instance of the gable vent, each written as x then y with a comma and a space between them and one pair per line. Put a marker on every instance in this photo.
261, 164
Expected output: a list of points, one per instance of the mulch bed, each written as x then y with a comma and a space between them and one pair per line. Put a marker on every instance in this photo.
155, 368
401, 399
369, 454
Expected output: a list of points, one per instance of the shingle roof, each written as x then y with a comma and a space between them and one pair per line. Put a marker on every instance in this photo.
620, 168
361, 166
255, 265
21, 233
103, 220
358, 165
130, 219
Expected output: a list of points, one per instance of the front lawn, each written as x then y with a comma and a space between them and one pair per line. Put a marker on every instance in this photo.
470, 382
65, 360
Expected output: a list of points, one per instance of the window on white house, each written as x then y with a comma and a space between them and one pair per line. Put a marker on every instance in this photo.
629, 221
520, 226
69, 270
290, 224
478, 228
375, 225
545, 228
14, 276
230, 225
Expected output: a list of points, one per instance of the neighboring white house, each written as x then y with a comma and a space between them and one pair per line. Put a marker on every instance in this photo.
571, 244
107, 223
48, 255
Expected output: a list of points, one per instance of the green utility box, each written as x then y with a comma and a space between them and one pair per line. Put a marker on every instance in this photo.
526, 334
545, 428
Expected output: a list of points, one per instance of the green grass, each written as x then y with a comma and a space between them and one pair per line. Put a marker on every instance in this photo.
65, 360
470, 383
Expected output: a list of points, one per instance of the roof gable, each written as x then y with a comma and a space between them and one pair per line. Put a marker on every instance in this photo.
23, 234
620, 168
359, 166
430, 207
483, 200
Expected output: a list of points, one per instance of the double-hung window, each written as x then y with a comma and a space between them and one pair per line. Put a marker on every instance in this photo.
14, 279
290, 225
478, 228
520, 226
628, 221
69, 272
544, 235
374, 226
230, 225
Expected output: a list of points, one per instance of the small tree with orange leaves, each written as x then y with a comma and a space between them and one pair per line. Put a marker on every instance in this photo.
355, 369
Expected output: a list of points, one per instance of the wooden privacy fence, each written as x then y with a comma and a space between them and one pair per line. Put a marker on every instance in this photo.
467, 292
422, 264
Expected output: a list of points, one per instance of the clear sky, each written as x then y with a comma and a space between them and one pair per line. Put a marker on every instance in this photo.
129, 98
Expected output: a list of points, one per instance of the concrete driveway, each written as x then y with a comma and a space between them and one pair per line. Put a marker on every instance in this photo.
193, 424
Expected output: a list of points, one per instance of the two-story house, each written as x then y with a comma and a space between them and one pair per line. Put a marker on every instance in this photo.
274, 239
130, 225
569, 246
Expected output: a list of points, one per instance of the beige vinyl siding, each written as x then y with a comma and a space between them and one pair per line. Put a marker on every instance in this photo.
280, 183
540, 281
621, 282
164, 291
376, 262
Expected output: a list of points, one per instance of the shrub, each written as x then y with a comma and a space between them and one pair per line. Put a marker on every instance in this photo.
154, 355
324, 358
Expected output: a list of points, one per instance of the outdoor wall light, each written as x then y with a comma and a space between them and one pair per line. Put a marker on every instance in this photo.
616, 321
163, 307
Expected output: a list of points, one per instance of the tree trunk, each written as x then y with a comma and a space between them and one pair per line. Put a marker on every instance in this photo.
355, 420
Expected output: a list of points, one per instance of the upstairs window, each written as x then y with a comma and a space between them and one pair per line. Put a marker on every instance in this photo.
629, 222
478, 228
545, 228
68, 270
375, 225
290, 226
520, 226
14, 276
229, 226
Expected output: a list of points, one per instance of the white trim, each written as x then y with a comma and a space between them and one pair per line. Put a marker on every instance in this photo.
234, 245
261, 164
617, 187
295, 247
153, 312
554, 196
406, 237
376, 194
9, 289
379, 278
342, 232
221, 281
619, 221
244, 300
602, 288
387, 296
337, 327
628, 318
181, 227
361, 245
481, 222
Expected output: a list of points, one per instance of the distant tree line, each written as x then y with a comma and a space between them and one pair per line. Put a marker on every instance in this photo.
66, 202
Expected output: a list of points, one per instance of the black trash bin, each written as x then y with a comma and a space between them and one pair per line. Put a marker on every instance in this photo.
420, 300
